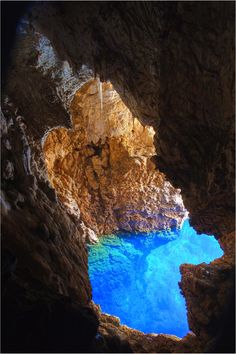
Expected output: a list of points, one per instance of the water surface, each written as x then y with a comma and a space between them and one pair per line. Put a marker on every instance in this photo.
135, 276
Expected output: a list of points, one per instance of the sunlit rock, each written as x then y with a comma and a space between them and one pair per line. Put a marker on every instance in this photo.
104, 166
173, 65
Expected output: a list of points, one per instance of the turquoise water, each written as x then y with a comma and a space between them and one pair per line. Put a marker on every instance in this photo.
135, 276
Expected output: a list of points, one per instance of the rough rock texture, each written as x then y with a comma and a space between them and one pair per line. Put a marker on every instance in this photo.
207, 289
102, 169
173, 65
110, 329
44, 258
43, 252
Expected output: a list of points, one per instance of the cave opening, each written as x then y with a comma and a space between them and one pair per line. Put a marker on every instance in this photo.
173, 65
133, 220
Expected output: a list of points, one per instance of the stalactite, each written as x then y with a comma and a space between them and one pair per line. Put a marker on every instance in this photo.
100, 95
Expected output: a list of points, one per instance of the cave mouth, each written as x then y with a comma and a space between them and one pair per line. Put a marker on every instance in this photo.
103, 173
135, 276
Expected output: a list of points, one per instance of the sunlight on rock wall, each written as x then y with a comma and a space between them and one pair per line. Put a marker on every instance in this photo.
102, 170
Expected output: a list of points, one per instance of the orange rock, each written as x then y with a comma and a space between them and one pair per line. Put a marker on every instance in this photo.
102, 169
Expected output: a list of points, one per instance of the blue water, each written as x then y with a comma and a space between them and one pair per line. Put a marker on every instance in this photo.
135, 276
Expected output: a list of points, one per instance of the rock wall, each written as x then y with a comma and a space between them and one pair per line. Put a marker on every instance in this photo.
173, 65
102, 169
45, 286
174, 68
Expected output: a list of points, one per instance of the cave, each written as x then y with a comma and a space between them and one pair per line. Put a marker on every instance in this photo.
117, 194
101, 170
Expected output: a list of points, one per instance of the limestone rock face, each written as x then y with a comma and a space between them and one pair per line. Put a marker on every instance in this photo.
211, 285
173, 65
45, 225
174, 68
102, 169
44, 256
121, 335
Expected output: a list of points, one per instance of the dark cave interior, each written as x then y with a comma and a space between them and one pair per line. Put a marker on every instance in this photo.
172, 65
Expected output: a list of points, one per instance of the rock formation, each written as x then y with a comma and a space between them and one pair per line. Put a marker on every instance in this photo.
172, 63
102, 169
